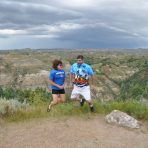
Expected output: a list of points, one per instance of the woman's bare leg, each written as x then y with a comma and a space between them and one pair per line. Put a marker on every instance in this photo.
54, 101
62, 98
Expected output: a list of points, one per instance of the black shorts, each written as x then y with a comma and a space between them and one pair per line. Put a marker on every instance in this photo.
61, 91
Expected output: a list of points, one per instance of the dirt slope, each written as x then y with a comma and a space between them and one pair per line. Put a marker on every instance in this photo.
71, 132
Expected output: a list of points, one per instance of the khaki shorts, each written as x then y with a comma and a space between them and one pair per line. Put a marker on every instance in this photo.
84, 91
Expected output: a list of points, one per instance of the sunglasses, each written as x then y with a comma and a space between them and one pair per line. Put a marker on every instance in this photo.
60, 65
79, 60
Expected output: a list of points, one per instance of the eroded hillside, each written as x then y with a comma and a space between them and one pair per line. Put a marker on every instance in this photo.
117, 73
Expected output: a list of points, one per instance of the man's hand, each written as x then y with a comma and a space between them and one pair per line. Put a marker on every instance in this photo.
71, 85
93, 87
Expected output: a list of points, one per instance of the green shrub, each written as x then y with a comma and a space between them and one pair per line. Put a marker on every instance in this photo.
29, 95
8, 107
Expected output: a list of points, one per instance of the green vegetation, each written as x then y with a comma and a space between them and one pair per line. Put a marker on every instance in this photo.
19, 104
136, 86
28, 104
134, 109
27, 95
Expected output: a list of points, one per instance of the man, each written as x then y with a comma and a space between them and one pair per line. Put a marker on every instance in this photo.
79, 76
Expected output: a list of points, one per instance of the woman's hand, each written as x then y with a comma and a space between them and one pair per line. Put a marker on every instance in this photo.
61, 87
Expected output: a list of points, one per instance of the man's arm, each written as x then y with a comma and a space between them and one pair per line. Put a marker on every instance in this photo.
93, 81
91, 76
71, 78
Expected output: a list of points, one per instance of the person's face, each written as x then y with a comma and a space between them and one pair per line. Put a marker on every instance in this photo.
60, 66
79, 61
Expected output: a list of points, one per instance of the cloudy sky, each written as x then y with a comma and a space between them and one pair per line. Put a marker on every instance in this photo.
73, 24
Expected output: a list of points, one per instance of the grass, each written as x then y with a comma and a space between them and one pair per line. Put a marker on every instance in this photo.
26, 114
134, 109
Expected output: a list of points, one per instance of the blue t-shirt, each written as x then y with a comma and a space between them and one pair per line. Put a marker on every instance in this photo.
81, 73
58, 77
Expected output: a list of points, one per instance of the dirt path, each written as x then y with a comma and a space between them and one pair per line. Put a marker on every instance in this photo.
73, 132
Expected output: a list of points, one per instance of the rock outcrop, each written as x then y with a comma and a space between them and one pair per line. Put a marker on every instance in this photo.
122, 119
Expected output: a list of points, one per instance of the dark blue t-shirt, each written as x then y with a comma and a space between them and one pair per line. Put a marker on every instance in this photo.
58, 77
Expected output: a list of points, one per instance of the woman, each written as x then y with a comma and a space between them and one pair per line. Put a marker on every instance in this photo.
57, 81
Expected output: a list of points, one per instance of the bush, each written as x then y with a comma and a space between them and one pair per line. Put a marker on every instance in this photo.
25, 94
11, 106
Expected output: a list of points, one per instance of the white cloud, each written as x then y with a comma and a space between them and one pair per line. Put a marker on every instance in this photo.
45, 36
12, 32
77, 3
64, 27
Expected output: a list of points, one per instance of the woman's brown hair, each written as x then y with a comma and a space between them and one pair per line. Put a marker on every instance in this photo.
56, 63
